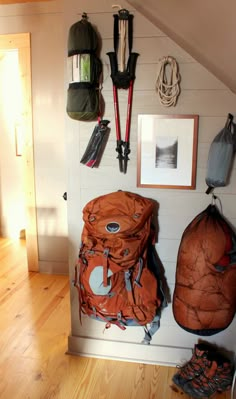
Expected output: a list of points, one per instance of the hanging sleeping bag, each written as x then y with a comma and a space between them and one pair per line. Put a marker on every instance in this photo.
220, 157
84, 70
204, 301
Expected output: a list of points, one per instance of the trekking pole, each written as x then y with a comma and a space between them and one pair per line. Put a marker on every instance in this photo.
119, 142
123, 79
131, 67
126, 143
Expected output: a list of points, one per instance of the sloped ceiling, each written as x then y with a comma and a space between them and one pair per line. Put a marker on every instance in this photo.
205, 29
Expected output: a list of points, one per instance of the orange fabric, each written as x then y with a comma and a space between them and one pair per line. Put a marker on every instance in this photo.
119, 222
204, 296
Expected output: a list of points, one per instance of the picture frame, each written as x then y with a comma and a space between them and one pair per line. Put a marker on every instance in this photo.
167, 151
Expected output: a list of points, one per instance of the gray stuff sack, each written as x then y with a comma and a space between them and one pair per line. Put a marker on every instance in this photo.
220, 157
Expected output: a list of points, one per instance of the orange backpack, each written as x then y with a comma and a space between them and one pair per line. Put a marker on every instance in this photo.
117, 276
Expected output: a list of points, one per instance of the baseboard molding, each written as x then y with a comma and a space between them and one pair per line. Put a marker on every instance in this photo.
126, 351
49, 267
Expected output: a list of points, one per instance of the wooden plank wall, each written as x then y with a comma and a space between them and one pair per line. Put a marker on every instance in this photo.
201, 94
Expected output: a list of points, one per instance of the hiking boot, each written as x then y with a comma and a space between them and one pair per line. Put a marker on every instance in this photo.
216, 377
194, 367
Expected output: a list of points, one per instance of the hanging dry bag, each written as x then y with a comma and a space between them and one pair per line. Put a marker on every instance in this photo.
220, 157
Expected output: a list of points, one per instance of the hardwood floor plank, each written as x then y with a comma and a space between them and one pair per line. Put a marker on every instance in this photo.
35, 324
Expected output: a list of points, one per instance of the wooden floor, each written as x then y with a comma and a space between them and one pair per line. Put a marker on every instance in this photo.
34, 326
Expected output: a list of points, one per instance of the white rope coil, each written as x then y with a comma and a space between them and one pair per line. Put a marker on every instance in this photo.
168, 82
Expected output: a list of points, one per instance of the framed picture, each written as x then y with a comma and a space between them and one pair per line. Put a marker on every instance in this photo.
167, 151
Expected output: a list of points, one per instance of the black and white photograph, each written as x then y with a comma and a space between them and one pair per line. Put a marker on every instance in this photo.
167, 151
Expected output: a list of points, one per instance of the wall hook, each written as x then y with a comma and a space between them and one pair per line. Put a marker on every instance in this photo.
84, 15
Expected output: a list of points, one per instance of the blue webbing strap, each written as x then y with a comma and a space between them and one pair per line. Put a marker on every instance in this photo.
149, 332
137, 279
127, 280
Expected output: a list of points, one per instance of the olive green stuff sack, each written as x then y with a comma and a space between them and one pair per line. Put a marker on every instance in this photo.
84, 70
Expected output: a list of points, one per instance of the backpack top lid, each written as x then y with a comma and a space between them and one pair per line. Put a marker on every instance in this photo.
129, 208
82, 37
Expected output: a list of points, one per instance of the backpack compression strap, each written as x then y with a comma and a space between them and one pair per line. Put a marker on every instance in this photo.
149, 332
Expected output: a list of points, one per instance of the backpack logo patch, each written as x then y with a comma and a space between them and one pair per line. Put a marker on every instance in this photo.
113, 227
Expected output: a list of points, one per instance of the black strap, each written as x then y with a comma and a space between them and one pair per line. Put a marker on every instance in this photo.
209, 190
83, 85
130, 32
116, 32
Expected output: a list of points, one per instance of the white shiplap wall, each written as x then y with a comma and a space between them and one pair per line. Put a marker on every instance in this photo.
201, 94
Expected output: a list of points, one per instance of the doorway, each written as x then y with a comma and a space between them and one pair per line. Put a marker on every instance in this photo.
18, 45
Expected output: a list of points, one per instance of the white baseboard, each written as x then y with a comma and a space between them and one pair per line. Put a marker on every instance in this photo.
49, 267
126, 351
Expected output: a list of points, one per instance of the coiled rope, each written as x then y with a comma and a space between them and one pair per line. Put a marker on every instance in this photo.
168, 82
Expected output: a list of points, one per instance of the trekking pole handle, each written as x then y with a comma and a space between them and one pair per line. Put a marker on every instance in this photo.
132, 64
113, 63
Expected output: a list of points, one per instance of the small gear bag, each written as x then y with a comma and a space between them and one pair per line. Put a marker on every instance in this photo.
220, 157
84, 69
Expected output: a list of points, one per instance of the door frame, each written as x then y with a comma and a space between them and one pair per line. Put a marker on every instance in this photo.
21, 42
